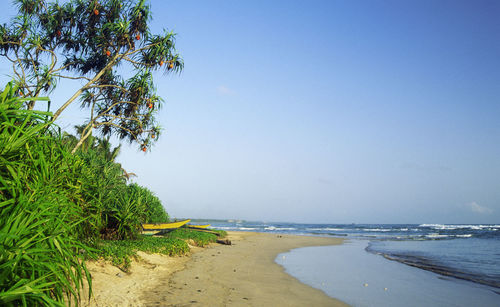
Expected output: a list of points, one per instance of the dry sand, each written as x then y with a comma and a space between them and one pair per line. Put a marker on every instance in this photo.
242, 274
113, 287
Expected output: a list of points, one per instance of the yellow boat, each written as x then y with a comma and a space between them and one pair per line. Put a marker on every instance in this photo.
163, 226
198, 226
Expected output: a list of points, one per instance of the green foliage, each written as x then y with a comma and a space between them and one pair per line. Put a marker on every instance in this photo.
51, 201
151, 205
98, 42
115, 209
200, 238
173, 243
222, 233
120, 252
39, 262
39, 257
102, 183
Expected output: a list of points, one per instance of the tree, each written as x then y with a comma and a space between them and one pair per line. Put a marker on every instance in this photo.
101, 146
96, 43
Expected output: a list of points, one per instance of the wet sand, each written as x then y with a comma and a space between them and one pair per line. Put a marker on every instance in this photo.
241, 274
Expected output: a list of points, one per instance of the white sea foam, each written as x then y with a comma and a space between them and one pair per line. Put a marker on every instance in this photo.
436, 236
279, 228
327, 229
247, 228
453, 227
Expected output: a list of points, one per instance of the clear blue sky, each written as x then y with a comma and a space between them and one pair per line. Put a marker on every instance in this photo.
327, 111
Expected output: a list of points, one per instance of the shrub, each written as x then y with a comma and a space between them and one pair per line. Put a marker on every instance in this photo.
51, 201
120, 252
200, 238
39, 262
151, 206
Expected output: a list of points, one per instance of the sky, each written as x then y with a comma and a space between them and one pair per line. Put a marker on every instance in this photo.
325, 111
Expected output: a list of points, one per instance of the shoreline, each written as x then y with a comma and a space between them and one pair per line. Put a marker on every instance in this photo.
349, 273
244, 273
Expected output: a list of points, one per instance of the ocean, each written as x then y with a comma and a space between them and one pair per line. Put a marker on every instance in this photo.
391, 265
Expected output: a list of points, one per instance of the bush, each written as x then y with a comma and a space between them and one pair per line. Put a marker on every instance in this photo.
200, 238
51, 201
151, 207
39, 262
120, 252
115, 210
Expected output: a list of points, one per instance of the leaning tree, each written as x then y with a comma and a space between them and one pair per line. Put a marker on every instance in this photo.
106, 46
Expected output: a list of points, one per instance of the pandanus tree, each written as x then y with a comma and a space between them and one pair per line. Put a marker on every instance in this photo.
106, 46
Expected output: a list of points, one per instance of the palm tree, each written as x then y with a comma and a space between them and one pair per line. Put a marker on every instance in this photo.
103, 146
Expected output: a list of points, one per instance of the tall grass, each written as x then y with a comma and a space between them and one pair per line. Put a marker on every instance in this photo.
56, 207
39, 263
199, 238
151, 207
121, 252
115, 209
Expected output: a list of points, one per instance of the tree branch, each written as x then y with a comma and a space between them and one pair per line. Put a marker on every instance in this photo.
85, 134
80, 91
72, 78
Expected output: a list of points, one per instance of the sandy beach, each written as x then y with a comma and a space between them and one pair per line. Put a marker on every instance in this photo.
241, 274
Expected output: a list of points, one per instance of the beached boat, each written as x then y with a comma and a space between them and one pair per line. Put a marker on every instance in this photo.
198, 226
155, 228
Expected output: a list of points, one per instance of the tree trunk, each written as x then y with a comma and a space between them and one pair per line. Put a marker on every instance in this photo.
87, 131
80, 91
31, 105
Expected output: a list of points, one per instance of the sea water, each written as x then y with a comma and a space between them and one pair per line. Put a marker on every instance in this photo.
391, 265
349, 273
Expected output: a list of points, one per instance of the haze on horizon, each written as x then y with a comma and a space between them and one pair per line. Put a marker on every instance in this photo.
326, 111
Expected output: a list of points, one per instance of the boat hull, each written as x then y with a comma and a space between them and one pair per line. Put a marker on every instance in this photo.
198, 226
164, 226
